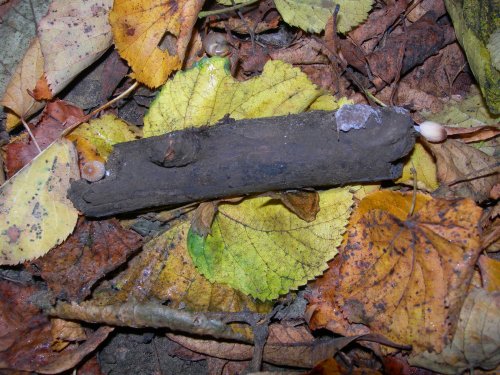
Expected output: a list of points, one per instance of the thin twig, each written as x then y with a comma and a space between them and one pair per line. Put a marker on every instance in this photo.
113, 101
69, 129
152, 316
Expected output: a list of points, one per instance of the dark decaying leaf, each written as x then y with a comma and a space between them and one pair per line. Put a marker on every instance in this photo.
93, 250
25, 334
56, 117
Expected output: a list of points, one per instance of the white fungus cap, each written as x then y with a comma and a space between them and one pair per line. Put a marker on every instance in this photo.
432, 131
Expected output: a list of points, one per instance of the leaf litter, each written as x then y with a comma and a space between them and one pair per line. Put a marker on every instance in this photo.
405, 267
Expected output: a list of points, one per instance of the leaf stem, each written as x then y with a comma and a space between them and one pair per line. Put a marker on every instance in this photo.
227, 9
112, 101
31, 134
102, 107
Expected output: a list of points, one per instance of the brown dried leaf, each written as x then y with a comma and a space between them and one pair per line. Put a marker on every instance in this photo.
25, 341
476, 342
306, 51
286, 346
474, 133
65, 330
56, 117
464, 171
203, 217
331, 367
258, 20
404, 278
491, 235
378, 22
93, 250
304, 204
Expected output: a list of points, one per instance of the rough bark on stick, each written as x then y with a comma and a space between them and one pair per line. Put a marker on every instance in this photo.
315, 149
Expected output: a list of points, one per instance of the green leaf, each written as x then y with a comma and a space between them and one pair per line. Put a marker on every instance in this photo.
494, 49
475, 21
35, 214
261, 248
206, 93
312, 15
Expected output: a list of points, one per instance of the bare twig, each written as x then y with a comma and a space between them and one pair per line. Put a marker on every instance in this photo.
153, 316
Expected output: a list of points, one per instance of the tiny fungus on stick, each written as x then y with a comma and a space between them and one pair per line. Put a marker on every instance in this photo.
432, 131
215, 44
92, 170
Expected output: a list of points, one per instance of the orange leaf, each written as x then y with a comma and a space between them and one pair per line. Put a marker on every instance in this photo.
490, 273
42, 90
139, 27
404, 278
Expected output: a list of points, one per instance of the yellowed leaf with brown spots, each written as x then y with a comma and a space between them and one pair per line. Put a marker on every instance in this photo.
153, 35
402, 276
73, 34
35, 214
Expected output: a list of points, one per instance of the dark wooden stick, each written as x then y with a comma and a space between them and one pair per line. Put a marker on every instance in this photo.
234, 158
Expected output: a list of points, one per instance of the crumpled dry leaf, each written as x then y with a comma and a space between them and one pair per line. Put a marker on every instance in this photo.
474, 133
26, 338
285, 346
303, 203
476, 342
93, 250
56, 117
72, 36
464, 171
64, 332
404, 278
138, 30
